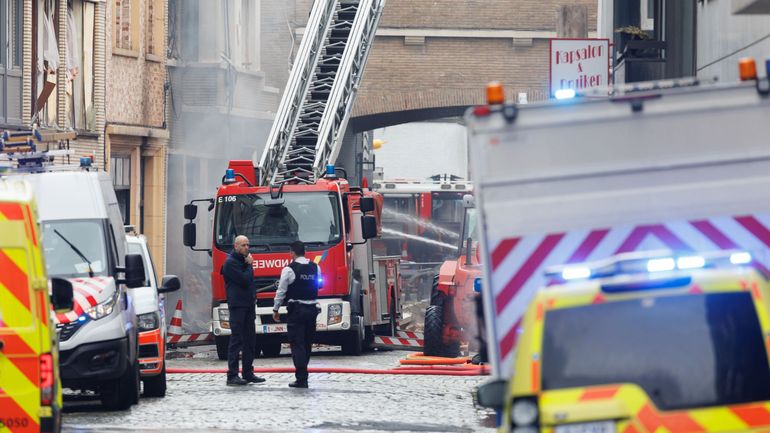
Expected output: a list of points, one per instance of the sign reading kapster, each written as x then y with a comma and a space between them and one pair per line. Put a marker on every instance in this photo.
579, 64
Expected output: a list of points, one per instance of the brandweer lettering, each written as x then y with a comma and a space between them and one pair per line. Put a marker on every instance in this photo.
270, 263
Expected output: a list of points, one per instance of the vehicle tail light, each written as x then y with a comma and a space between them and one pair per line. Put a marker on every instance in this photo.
46, 379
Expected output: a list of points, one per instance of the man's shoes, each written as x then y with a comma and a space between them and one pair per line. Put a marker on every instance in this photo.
298, 384
236, 381
254, 379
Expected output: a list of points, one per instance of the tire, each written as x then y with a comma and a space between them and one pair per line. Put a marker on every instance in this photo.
223, 343
155, 386
436, 297
271, 350
353, 344
434, 334
121, 393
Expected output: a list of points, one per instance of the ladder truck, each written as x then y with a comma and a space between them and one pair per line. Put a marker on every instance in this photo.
294, 192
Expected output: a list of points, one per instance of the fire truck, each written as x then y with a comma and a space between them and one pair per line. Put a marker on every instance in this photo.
295, 192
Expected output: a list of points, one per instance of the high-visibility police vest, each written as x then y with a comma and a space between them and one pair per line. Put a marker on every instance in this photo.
305, 285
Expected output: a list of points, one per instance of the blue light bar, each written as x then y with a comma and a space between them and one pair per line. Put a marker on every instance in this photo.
477, 285
82, 318
576, 273
690, 262
564, 94
330, 170
229, 175
740, 258
661, 265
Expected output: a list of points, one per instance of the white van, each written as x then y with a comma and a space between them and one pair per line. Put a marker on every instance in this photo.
151, 319
84, 242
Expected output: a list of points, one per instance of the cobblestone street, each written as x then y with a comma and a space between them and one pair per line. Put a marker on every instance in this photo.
334, 402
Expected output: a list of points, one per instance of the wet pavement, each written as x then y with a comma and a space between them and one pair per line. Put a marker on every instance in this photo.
334, 403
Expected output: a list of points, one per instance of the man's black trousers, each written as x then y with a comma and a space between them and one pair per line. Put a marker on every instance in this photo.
301, 323
243, 338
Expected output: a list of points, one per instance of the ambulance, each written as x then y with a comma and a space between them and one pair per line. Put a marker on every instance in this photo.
626, 250
30, 386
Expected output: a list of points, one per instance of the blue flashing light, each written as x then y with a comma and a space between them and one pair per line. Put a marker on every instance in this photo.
229, 175
661, 265
477, 285
576, 273
767, 67
330, 170
85, 161
82, 318
690, 262
740, 258
564, 94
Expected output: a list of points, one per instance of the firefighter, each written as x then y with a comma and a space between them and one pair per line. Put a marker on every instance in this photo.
241, 299
298, 287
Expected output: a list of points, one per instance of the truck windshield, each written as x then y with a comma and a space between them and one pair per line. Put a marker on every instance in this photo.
87, 238
684, 351
313, 218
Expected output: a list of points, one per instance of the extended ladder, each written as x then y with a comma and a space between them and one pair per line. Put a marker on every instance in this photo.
315, 108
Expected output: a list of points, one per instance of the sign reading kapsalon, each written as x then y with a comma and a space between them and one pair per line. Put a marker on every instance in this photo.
579, 64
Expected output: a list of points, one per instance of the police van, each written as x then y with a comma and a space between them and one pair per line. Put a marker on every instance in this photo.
84, 242
30, 387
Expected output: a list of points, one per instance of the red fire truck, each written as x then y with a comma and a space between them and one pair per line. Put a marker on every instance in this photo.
293, 192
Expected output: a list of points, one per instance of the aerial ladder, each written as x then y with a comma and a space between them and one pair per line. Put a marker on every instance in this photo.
293, 192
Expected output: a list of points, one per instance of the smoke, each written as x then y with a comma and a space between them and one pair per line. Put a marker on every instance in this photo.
228, 70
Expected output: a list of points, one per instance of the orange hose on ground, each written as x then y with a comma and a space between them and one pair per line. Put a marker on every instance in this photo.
401, 370
419, 358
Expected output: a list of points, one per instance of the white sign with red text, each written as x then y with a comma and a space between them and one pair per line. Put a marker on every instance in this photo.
579, 64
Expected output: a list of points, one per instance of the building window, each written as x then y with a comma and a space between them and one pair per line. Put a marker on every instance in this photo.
10, 61
154, 33
126, 25
182, 42
120, 172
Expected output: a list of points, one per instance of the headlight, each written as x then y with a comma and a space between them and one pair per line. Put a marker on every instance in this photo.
105, 308
224, 314
524, 412
335, 314
148, 321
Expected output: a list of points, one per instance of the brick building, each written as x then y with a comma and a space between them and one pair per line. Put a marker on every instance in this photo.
136, 134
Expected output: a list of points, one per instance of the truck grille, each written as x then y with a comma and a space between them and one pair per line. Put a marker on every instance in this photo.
67, 330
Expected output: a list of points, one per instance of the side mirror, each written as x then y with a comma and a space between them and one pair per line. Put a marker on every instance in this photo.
170, 283
367, 204
134, 273
62, 295
368, 227
189, 234
492, 394
190, 211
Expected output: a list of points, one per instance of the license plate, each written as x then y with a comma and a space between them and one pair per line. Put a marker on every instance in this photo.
589, 427
271, 329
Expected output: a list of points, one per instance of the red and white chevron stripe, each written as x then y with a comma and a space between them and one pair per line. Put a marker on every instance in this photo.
518, 263
85, 291
402, 338
189, 338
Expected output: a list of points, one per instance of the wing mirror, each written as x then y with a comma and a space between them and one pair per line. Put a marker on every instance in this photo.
368, 227
492, 394
366, 204
62, 296
189, 234
190, 211
170, 283
134, 271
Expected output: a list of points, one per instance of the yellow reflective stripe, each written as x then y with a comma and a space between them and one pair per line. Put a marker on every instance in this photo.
18, 387
21, 318
722, 417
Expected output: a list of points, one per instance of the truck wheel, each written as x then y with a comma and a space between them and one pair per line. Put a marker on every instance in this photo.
353, 344
120, 393
155, 386
271, 350
222, 345
434, 334
436, 297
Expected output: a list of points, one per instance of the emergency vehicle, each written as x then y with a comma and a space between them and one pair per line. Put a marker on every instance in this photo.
631, 229
84, 242
295, 192
30, 386
151, 318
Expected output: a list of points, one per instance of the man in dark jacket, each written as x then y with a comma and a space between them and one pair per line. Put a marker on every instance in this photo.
241, 300
299, 286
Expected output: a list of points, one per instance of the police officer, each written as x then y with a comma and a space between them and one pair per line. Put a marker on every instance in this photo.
299, 286
241, 300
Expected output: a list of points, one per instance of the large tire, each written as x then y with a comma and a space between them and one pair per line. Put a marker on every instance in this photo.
270, 350
155, 386
434, 335
223, 343
353, 344
121, 393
